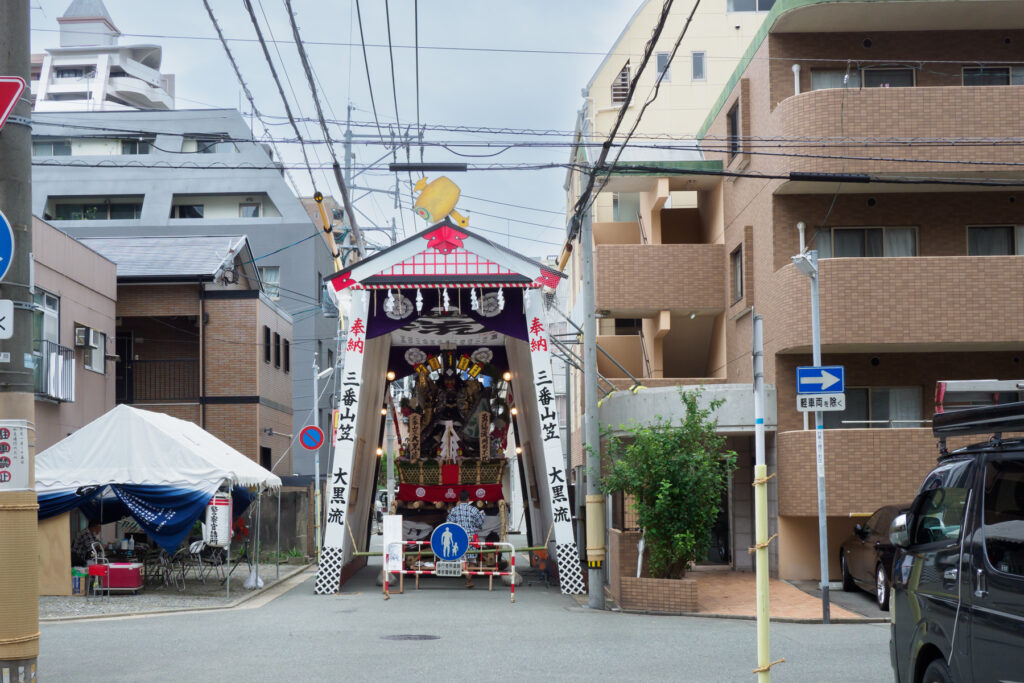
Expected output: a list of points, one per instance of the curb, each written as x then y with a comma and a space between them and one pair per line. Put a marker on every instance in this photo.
278, 583
750, 617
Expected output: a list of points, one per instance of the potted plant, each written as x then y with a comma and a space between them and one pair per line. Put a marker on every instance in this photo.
674, 475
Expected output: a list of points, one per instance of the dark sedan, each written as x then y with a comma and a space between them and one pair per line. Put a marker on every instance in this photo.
866, 556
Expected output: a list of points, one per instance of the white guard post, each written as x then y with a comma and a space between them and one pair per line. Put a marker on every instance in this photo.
339, 476
570, 575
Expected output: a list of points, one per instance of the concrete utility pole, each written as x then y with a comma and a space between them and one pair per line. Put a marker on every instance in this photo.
19, 552
760, 507
591, 426
317, 504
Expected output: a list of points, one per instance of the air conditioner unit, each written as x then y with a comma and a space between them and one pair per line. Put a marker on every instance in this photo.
82, 336
94, 339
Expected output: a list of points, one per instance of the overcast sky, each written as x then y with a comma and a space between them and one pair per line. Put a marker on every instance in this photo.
461, 87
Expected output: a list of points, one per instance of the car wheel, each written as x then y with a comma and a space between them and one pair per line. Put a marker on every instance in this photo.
882, 588
937, 672
848, 584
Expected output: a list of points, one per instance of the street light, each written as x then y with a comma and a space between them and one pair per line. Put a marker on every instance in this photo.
807, 263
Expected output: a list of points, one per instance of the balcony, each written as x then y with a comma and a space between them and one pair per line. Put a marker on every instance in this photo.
55, 371
639, 280
880, 114
154, 381
902, 304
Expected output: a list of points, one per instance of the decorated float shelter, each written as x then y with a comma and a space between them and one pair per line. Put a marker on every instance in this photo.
460, 321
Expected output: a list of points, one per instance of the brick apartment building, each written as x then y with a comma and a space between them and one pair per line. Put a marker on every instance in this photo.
230, 373
919, 282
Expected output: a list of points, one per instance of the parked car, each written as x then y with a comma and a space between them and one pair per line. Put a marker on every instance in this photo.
958, 572
866, 556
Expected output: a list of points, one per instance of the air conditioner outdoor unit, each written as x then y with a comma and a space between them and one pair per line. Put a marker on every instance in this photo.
94, 339
82, 336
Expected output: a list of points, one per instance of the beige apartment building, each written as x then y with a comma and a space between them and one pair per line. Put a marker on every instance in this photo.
199, 339
75, 289
919, 281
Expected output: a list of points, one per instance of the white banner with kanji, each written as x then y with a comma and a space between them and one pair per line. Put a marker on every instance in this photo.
570, 574
339, 476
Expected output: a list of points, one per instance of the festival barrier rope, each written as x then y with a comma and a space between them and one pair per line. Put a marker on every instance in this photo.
20, 508
759, 546
768, 666
762, 480
20, 639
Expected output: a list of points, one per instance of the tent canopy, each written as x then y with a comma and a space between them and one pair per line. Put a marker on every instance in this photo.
162, 470
132, 446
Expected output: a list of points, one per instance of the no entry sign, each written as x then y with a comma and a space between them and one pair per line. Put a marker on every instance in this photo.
311, 437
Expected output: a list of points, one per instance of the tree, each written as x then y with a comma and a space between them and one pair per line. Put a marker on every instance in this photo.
675, 475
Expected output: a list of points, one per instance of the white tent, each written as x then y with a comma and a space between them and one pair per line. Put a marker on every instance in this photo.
132, 446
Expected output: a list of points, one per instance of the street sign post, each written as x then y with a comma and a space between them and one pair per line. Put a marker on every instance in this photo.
823, 379
6, 318
6, 245
11, 88
311, 437
449, 542
808, 403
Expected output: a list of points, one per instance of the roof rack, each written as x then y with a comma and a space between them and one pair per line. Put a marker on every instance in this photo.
1006, 417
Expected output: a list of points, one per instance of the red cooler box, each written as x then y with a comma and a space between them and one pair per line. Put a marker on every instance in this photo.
125, 576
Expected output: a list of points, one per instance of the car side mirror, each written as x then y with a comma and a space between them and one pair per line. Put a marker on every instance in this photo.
898, 533
859, 530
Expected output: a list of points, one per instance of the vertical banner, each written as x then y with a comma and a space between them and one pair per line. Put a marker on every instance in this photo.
339, 476
14, 463
570, 575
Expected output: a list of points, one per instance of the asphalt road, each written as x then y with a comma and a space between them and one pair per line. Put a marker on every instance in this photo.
474, 634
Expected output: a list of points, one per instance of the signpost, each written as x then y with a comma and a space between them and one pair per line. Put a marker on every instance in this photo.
820, 388
311, 437
6, 318
11, 88
449, 542
6, 243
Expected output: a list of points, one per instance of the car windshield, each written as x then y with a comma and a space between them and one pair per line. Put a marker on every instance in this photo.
1003, 515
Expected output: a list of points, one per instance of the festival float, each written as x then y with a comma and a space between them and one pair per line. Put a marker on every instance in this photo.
459, 323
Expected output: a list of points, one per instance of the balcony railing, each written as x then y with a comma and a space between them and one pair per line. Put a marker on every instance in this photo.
55, 371
140, 381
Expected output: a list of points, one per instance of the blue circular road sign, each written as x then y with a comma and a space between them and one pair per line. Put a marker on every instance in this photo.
6, 245
449, 541
311, 437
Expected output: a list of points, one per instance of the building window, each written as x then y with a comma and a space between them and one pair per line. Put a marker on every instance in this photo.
97, 211
46, 317
749, 5
877, 407
95, 359
823, 79
266, 458
213, 146
73, 73
135, 146
271, 278
628, 326
625, 206
330, 358
663, 66
697, 65
249, 210
736, 273
888, 78
187, 211
277, 350
620, 86
51, 148
732, 130
866, 242
993, 75
996, 240
266, 344
287, 356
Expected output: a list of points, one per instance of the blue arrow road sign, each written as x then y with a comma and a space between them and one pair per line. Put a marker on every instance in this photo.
6, 245
823, 379
449, 541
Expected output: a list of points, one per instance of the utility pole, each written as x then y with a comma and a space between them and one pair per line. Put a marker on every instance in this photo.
760, 508
591, 427
317, 514
19, 551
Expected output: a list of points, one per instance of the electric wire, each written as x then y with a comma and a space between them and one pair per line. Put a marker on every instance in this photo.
369, 81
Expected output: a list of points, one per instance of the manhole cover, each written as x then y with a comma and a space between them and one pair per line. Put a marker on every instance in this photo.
411, 636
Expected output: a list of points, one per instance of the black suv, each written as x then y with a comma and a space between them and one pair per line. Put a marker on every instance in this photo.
958, 572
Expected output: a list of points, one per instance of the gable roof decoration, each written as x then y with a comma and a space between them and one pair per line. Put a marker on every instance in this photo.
445, 255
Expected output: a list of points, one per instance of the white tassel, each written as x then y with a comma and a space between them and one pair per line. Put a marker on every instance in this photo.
445, 295
419, 301
501, 299
474, 303
389, 304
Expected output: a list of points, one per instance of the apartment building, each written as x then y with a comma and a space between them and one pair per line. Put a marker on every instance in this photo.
198, 338
74, 290
90, 71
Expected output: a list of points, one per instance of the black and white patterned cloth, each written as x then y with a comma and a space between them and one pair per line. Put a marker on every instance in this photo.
468, 517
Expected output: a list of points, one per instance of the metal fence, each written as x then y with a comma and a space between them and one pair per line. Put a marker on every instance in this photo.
159, 380
55, 371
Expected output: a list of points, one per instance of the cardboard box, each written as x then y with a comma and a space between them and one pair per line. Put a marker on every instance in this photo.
79, 581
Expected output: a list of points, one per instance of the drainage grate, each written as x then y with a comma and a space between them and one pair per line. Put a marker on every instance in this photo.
411, 636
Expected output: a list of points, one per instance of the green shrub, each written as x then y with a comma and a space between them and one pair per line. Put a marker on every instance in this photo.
675, 474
